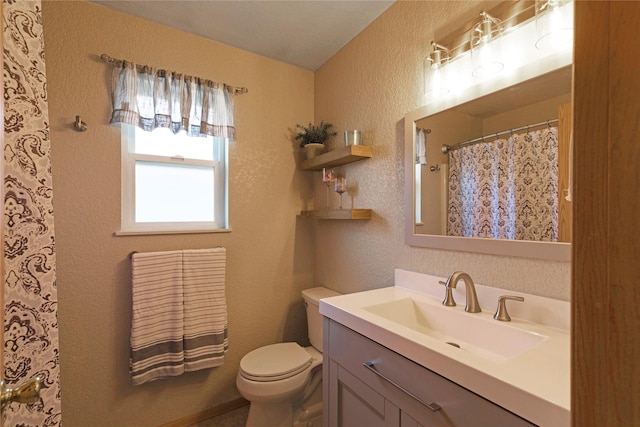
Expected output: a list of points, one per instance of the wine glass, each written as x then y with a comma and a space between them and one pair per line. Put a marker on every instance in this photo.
340, 187
328, 178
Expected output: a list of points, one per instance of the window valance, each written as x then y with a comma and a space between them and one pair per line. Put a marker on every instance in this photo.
149, 98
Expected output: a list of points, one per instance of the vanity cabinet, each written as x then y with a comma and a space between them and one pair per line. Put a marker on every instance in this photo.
394, 391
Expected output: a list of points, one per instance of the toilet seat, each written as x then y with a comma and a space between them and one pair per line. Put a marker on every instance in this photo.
275, 362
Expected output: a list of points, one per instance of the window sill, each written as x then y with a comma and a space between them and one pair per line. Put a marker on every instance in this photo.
122, 233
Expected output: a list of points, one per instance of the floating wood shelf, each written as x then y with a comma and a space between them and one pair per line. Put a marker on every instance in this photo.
337, 214
337, 157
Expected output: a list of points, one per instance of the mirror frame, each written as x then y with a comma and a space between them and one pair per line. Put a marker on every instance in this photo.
554, 251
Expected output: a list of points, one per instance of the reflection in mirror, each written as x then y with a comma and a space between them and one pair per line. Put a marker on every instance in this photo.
472, 152
494, 168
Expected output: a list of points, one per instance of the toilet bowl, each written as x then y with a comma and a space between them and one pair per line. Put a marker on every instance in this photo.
283, 382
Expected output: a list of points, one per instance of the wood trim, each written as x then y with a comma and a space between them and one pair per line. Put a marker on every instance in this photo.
623, 207
208, 413
589, 358
606, 249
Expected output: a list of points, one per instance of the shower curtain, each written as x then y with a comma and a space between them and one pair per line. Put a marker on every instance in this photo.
506, 188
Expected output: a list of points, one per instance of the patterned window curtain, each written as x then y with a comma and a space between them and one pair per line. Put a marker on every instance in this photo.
149, 98
506, 189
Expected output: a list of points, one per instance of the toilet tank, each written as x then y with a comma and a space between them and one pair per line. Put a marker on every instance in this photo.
312, 298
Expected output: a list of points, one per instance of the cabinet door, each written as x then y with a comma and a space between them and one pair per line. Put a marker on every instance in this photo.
355, 404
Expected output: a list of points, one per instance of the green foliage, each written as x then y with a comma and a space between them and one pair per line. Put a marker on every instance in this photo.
314, 134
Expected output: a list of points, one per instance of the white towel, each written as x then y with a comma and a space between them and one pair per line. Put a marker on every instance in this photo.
205, 308
179, 321
569, 196
157, 316
421, 147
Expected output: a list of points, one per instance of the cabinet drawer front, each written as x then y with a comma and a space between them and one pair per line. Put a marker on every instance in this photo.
458, 406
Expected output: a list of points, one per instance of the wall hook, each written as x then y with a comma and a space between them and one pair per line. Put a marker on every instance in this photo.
80, 125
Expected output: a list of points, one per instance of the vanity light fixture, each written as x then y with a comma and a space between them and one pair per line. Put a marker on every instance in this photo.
498, 47
435, 79
554, 24
486, 55
438, 57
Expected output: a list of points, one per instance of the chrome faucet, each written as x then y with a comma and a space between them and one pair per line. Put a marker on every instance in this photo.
472, 305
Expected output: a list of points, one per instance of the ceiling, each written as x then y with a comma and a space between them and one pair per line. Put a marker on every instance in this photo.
304, 33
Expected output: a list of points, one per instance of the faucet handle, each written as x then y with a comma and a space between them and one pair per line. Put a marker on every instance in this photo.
448, 298
501, 312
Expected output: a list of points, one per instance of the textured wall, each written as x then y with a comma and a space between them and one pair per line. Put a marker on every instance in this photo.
269, 256
370, 85
30, 294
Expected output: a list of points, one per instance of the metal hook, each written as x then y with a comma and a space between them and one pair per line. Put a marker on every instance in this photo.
80, 125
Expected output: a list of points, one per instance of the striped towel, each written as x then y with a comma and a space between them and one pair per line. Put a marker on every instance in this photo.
179, 321
205, 308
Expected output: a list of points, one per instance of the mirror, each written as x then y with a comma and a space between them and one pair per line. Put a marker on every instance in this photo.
539, 98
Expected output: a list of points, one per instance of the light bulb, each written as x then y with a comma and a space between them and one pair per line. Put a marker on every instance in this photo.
486, 52
554, 24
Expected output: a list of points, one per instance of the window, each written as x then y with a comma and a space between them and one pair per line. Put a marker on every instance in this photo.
172, 182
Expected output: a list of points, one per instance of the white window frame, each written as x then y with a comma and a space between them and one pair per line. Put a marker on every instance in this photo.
128, 225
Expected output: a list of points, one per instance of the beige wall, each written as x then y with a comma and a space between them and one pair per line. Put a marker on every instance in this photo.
270, 256
533, 113
370, 85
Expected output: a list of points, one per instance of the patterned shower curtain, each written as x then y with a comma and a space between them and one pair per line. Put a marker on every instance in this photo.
31, 304
506, 188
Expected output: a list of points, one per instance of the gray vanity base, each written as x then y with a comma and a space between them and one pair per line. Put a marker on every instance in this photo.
355, 396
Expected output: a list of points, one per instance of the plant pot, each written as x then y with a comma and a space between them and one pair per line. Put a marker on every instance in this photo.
312, 150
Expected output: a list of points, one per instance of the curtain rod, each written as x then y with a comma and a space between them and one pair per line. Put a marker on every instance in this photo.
446, 148
121, 62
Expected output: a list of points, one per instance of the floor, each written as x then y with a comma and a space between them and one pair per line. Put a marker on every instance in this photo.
236, 418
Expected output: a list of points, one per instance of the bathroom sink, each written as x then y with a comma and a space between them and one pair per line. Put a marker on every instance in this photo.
478, 333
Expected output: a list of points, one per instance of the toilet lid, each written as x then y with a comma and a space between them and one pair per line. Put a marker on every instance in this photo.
275, 362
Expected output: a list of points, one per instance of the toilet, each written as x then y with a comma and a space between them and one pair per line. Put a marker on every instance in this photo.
283, 381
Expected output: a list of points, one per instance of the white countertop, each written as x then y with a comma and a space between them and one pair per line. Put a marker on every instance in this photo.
534, 385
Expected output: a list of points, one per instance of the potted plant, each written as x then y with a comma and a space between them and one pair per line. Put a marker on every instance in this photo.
313, 137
